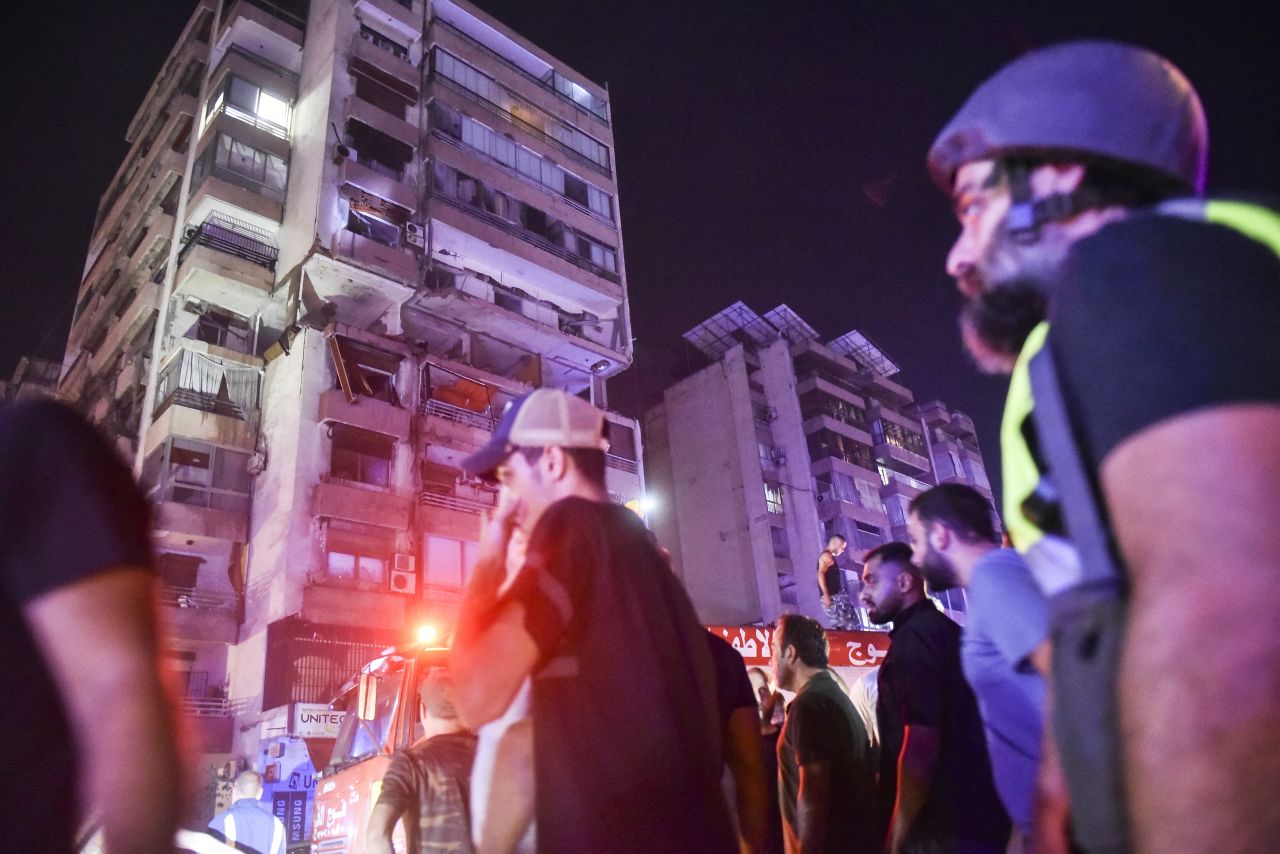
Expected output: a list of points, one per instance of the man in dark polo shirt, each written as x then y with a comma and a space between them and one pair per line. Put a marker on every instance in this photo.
626, 730
824, 758
945, 797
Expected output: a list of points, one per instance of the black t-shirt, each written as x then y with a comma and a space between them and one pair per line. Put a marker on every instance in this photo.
921, 683
625, 713
430, 784
1155, 316
823, 726
68, 510
733, 685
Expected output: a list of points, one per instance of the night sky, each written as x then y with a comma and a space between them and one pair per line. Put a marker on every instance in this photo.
766, 152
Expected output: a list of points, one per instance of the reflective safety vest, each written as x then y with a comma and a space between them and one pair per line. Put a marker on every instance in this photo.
1032, 514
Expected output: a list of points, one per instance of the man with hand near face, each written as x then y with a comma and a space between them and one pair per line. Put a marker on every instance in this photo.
595, 615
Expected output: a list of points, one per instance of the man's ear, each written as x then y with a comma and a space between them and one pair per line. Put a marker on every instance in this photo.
938, 536
556, 461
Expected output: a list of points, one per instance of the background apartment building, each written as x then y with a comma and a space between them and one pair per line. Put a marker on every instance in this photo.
781, 441
345, 235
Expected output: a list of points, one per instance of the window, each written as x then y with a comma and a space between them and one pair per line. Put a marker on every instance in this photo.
773, 497
448, 66
246, 166
190, 472
366, 224
898, 436
222, 329
378, 39
357, 553
250, 103
361, 456
447, 560
178, 570
778, 536
364, 371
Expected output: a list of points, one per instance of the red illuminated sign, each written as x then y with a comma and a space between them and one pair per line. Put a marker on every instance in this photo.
848, 649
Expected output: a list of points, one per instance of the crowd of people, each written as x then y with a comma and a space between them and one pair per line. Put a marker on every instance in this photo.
1136, 319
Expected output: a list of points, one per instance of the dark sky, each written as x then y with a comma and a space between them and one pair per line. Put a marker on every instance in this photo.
766, 152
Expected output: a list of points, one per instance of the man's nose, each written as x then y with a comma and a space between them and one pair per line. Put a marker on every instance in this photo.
960, 259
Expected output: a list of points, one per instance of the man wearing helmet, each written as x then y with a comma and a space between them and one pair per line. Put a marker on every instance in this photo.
1145, 417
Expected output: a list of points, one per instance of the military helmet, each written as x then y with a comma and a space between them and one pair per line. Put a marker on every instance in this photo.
1095, 99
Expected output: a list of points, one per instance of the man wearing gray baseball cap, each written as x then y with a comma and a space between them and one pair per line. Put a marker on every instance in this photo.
626, 734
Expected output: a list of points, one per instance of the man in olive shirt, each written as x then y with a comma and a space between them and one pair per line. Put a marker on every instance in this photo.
824, 759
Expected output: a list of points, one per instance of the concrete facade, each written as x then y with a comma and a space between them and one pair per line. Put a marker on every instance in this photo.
360, 229
755, 460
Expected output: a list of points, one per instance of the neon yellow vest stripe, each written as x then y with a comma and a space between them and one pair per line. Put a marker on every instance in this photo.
1017, 465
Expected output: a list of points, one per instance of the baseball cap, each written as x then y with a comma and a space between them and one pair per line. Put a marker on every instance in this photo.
540, 419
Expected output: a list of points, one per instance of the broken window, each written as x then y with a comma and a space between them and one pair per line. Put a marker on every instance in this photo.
361, 456
357, 552
365, 223
178, 571
364, 371
222, 329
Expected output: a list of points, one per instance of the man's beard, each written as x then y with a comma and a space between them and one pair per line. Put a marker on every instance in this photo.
996, 322
938, 572
1008, 288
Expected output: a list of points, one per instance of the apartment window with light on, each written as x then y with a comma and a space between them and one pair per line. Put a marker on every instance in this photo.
363, 371
361, 456
357, 553
252, 104
773, 497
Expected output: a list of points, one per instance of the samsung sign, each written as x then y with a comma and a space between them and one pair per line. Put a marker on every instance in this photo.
314, 720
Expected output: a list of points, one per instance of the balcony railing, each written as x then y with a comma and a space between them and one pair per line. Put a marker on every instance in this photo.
235, 237
458, 415
190, 597
207, 707
453, 502
614, 461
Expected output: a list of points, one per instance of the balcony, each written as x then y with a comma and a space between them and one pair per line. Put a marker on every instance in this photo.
194, 614
390, 261
335, 499
221, 188
621, 463
188, 520
365, 413
398, 16
380, 120
386, 61
549, 80
341, 605
277, 31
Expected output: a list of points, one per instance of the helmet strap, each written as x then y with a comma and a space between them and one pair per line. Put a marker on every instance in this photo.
1026, 215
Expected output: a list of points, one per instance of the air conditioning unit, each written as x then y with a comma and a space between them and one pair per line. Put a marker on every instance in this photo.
404, 577
413, 235
342, 152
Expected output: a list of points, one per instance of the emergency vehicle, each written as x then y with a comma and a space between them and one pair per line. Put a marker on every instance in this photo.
382, 714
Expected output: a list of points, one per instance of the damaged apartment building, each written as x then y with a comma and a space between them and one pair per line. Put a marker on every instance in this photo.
812, 439
345, 235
